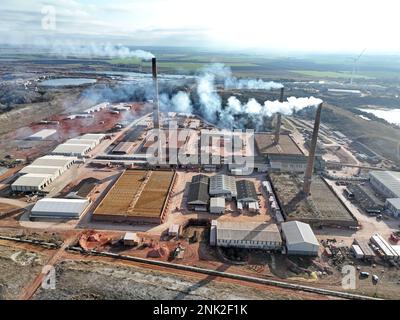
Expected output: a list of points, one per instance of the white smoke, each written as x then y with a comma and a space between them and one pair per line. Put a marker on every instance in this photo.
180, 102
236, 114
251, 84
252, 107
93, 50
221, 71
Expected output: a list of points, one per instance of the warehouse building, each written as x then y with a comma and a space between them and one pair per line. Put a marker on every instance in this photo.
98, 137
55, 161
217, 205
299, 239
198, 197
246, 192
32, 182
53, 208
283, 155
249, 235
91, 143
54, 171
42, 135
387, 183
41, 173
77, 150
222, 185
393, 206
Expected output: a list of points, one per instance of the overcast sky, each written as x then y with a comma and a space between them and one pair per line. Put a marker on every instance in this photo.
310, 25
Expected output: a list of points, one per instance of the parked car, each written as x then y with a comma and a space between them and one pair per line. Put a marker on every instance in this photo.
364, 274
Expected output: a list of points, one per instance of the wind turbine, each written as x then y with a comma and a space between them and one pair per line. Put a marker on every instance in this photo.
355, 62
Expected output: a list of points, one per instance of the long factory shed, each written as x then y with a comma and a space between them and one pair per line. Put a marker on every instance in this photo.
41, 173
56, 208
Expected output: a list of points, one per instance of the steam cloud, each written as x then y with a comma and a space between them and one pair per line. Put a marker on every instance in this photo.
235, 114
98, 50
219, 70
209, 104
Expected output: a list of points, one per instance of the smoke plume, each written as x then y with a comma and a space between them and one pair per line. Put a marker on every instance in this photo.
205, 100
224, 73
93, 50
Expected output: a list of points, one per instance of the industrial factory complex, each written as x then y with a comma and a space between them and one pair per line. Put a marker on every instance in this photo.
150, 177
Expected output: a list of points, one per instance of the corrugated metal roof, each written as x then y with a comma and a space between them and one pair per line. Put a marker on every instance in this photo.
218, 202
54, 161
395, 202
298, 232
93, 136
390, 179
246, 190
56, 205
200, 178
89, 142
222, 183
71, 149
32, 180
248, 231
41, 170
198, 191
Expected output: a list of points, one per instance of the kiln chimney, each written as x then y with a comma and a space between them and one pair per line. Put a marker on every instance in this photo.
311, 156
156, 107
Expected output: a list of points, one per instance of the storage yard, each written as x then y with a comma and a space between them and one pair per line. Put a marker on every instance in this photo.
137, 196
322, 208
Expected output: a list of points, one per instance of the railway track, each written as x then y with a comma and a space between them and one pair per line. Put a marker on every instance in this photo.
276, 283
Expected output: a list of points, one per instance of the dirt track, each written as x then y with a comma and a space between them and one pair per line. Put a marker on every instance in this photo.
90, 280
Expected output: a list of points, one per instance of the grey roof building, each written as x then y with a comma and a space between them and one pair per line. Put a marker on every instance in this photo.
393, 205
300, 239
386, 183
54, 208
223, 185
246, 191
248, 235
217, 205
198, 197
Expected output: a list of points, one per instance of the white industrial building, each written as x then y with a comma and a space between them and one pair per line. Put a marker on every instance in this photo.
99, 137
54, 171
251, 235
32, 182
222, 185
77, 150
42, 172
42, 134
55, 161
54, 208
387, 183
217, 205
91, 143
393, 206
299, 239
